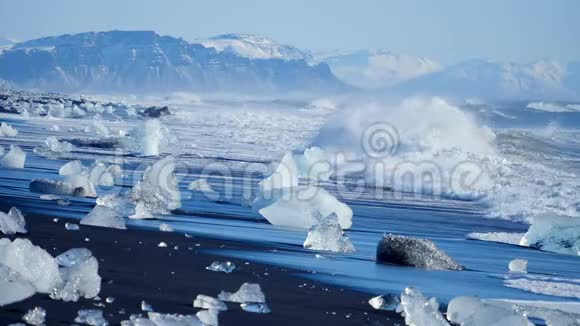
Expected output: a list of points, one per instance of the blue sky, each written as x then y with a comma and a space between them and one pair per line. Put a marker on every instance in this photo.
446, 30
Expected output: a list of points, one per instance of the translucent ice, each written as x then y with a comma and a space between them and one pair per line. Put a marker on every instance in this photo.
7, 130
71, 168
104, 216
384, 302
146, 306
174, 319
293, 207
14, 291
80, 281
555, 233
226, 267
501, 237
53, 144
518, 266
312, 164
248, 292
472, 311
15, 158
71, 226
284, 176
328, 236
12, 222
35, 316
420, 311
259, 308
421, 253
208, 317
91, 317
207, 302
164, 227
153, 138
73, 257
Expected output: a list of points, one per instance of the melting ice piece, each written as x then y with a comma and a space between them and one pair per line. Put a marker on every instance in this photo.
226, 267
157, 192
54, 145
71, 226
556, 233
162, 245
104, 216
12, 222
35, 316
248, 292
93, 317
81, 280
7, 130
73, 257
421, 253
207, 302
385, 302
293, 207
71, 168
259, 308
15, 158
518, 266
145, 306
174, 319
419, 310
472, 311
328, 236
33, 264
208, 317
58, 187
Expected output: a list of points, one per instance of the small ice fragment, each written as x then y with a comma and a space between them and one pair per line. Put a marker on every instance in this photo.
80, 280
248, 292
173, 320
50, 197
146, 307
54, 145
419, 310
328, 236
12, 222
164, 227
208, 317
71, 226
554, 233
162, 244
104, 216
91, 317
14, 159
259, 308
73, 257
207, 302
71, 168
384, 302
55, 220
472, 311
110, 300
7, 130
226, 267
518, 266
35, 316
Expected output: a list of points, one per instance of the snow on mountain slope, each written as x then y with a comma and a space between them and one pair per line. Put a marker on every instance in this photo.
143, 61
254, 47
377, 69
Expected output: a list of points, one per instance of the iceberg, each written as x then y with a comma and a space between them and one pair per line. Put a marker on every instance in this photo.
91, 317
554, 233
207, 302
7, 130
328, 236
408, 251
474, 312
104, 216
419, 310
248, 293
518, 266
294, 206
15, 158
12, 222
35, 316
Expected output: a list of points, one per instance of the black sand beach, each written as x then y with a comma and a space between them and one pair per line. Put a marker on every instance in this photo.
134, 268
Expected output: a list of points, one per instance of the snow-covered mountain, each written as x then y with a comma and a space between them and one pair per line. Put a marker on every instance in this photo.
5, 43
377, 69
254, 47
497, 80
143, 61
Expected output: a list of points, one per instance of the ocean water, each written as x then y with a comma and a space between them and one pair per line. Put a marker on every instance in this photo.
530, 160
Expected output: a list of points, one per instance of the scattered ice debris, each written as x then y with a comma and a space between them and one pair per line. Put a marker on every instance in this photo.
207, 302
201, 185
421, 253
157, 192
226, 267
518, 266
248, 293
162, 245
35, 316
104, 216
547, 286
420, 311
208, 317
91, 317
259, 308
293, 206
145, 306
384, 302
7, 130
54, 145
164, 227
328, 236
71, 226
58, 187
501, 237
474, 312
12, 222
554, 233
15, 158
153, 138
73, 257
173, 319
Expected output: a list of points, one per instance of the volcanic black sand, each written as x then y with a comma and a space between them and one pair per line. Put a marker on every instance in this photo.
134, 268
